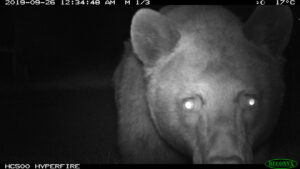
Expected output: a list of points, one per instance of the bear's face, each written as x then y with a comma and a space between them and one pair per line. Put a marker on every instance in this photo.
210, 98
201, 101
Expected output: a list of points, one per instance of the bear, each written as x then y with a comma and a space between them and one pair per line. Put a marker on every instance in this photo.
197, 85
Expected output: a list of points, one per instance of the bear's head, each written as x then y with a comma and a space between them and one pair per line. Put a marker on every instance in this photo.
214, 85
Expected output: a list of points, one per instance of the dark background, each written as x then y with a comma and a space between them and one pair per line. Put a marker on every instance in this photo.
56, 66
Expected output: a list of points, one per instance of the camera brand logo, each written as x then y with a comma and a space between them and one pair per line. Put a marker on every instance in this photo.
281, 163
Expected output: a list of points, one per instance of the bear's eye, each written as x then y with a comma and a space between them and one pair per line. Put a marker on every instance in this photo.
189, 104
249, 101
192, 103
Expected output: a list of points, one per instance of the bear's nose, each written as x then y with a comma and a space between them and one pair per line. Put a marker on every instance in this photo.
224, 148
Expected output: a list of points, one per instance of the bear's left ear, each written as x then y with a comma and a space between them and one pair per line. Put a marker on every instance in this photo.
269, 27
152, 35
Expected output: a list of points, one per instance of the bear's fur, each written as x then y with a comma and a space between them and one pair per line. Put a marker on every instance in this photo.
197, 85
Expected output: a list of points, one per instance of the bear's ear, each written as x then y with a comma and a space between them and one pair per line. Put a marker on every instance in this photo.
152, 35
270, 27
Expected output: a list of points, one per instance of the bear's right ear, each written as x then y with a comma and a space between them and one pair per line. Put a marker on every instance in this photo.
152, 35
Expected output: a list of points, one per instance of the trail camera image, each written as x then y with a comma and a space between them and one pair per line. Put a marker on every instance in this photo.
126, 82
197, 85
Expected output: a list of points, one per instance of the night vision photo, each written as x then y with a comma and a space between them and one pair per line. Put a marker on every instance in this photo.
189, 84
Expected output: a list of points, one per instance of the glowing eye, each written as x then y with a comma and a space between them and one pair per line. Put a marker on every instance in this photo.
189, 105
192, 103
251, 101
